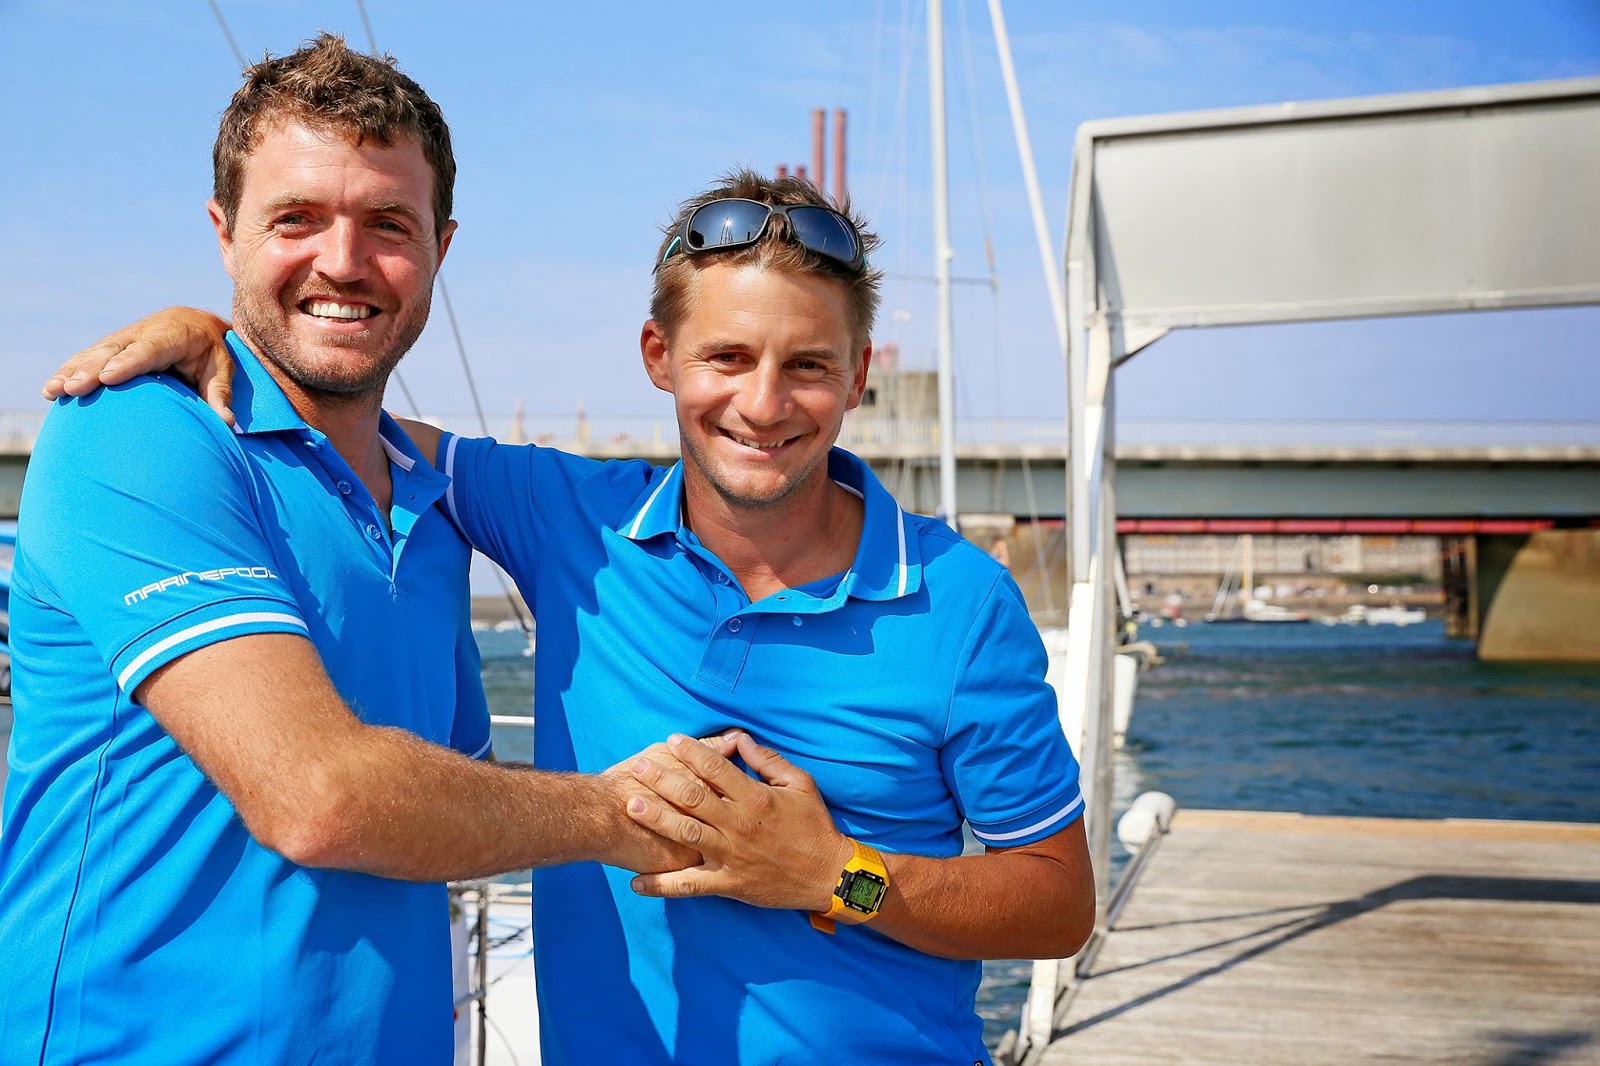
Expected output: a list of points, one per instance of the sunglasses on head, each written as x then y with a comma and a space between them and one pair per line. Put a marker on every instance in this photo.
735, 223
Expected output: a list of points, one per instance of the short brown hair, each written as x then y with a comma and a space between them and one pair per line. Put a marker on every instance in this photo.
327, 86
774, 251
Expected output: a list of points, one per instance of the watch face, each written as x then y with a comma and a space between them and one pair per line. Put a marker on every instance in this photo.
864, 892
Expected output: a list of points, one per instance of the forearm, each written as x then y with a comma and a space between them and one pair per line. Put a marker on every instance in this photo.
320, 787
999, 905
412, 810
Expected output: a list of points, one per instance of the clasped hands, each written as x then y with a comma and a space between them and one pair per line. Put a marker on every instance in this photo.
769, 843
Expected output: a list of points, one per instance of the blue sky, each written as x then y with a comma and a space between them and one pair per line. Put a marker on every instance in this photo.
579, 126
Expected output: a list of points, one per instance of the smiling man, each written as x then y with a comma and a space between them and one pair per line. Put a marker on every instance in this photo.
249, 725
768, 584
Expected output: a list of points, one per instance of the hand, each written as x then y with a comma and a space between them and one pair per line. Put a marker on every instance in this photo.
635, 847
185, 340
770, 843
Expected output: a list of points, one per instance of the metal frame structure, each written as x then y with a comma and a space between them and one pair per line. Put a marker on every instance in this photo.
1464, 199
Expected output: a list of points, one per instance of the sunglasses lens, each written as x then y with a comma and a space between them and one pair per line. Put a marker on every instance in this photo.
726, 223
825, 232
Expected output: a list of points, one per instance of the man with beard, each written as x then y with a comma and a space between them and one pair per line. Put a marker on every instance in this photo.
250, 736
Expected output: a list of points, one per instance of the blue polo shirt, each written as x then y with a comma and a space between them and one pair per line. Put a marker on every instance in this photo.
911, 687
140, 920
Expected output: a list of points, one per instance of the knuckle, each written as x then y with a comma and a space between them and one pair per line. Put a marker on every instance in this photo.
690, 795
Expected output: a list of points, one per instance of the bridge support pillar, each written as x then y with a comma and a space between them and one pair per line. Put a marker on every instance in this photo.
1539, 596
1459, 579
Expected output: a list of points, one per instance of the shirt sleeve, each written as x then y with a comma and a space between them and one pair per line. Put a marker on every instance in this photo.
469, 732
1005, 756
507, 497
138, 520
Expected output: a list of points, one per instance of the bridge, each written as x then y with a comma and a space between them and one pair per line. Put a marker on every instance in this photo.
1488, 490
1173, 476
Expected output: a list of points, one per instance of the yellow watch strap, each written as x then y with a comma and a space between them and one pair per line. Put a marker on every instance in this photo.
864, 860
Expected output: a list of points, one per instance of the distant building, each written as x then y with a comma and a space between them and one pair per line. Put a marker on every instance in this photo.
1283, 555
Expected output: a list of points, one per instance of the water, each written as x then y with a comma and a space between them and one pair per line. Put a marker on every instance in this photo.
1344, 720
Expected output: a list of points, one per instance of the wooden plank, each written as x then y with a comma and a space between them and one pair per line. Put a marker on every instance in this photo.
1269, 938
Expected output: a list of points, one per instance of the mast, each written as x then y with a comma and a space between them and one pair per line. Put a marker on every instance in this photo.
1248, 590
942, 253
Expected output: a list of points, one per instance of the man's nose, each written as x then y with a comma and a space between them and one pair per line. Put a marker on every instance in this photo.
342, 254
764, 400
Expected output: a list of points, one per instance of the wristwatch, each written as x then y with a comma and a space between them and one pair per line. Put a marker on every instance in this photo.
863, 883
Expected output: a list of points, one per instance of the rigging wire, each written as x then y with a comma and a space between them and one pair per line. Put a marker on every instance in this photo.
228, 35
366, 24
461, 349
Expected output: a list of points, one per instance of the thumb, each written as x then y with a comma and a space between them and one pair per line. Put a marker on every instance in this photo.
773, 768
216, 385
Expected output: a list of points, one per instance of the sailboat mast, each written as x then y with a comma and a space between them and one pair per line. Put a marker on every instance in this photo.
1247, 590
942, 253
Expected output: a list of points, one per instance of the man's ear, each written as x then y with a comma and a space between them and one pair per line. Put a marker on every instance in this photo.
657, 360
219, 222
858, 381
445, 234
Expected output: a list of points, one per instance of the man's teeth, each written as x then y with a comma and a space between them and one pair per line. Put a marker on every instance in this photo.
329, 309
748, 443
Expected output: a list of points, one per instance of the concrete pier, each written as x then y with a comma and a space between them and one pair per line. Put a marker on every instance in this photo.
1282, 938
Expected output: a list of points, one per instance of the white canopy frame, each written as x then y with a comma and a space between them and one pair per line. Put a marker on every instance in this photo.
1464, 199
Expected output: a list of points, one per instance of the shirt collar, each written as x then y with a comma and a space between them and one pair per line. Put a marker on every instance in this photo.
259, 405
888, 562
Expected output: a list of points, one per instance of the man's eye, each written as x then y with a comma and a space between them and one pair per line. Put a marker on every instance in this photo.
389, 225
292, 220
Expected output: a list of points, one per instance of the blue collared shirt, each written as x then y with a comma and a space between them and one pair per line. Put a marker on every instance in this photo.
911, 687
140, 920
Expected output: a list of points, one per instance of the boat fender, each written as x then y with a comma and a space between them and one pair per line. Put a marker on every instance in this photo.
1150, 813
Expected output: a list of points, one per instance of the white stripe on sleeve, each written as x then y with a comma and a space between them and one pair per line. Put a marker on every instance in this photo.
995, 838
250, 618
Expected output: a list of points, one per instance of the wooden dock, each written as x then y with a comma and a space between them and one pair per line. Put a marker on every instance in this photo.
1281, 938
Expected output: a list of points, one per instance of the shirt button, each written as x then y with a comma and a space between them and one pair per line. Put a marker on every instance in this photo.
344, 488
722, 579
798, 621
374, 532
735, 624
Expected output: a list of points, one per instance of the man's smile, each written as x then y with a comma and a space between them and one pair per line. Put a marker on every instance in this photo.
320, 308
765, 446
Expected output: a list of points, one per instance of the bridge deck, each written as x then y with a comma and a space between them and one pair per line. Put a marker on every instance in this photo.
1271, 938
